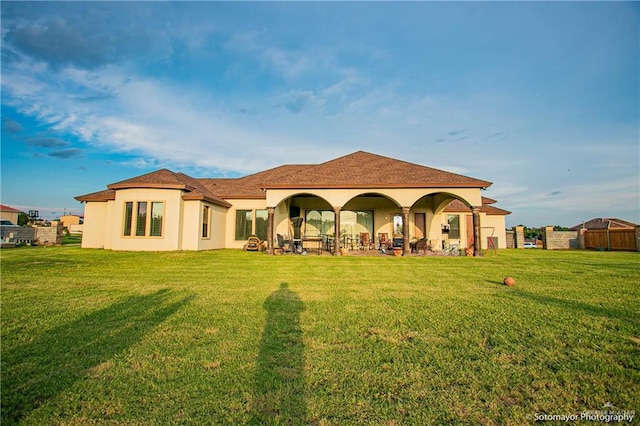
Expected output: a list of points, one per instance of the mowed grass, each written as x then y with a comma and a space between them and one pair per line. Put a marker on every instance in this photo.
230, 337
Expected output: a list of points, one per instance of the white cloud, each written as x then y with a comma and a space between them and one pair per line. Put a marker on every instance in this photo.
164, 124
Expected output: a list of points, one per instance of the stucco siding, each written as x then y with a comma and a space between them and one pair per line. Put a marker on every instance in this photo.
401, 196
219, 228
192, 238
10, 216
95, 225
191, 228
230, 239
171, 223
497, 222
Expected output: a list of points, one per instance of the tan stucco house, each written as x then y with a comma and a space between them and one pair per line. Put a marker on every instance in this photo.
352, 196
9, 213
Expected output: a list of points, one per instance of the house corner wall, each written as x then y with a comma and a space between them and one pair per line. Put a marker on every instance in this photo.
96, 225
192, 226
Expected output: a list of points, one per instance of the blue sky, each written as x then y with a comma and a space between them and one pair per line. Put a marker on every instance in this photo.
542, 99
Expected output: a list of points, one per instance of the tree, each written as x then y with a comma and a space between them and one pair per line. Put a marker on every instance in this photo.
23, 219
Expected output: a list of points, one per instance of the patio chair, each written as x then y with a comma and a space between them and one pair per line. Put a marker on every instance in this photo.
383, 241
365, 241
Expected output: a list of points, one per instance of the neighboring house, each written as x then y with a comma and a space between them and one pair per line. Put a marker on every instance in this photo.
347, 196
70, 219
604, 223
72, 223
9, 213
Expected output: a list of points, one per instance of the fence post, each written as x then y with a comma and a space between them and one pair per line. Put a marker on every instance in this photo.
519, 236
548, 236
637, 237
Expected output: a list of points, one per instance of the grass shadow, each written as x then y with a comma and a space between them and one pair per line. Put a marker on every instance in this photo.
574, 305
279, 396
38, 371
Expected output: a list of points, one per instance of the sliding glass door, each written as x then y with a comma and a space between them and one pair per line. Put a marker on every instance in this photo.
352, 223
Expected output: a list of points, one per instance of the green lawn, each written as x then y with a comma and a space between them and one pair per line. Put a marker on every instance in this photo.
71, 239
232, 337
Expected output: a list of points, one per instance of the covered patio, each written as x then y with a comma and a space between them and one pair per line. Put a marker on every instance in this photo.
366, 220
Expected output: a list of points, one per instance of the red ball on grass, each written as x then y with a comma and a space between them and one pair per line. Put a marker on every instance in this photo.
509, 281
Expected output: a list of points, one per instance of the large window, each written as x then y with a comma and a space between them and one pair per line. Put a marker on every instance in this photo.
128, 218
454, 226
205, 221
157, 213
319, 222
143, 224
141, 221
352, 223
244, 224
261, 224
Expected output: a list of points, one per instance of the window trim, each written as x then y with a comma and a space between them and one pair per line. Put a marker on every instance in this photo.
127, 220
151, 220
206, 214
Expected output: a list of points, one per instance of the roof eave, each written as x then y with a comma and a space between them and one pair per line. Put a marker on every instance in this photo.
89, 197
242, 197
143, 185
481, 185
200, 197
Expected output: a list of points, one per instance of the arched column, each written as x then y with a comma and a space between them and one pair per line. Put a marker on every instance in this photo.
336, 234
270, 214
405, 230
477, 242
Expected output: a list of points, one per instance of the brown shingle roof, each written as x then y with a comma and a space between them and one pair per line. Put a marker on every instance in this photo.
458, 206
106, 195
365, 170
162, 179
251, 186
357, 170
604, 223
487, 200
198, 191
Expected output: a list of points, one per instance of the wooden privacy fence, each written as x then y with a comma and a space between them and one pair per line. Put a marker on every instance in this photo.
610, 239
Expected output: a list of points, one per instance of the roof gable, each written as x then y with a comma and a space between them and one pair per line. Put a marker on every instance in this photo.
357, 170
163, 178
365, 170
160, 179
